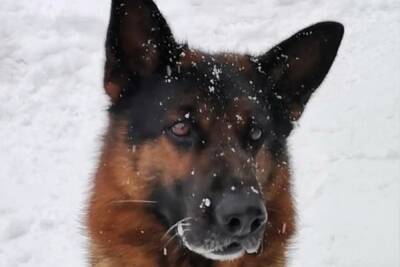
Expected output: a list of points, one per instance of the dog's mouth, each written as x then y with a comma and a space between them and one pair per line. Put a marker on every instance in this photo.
232, 248
229, 251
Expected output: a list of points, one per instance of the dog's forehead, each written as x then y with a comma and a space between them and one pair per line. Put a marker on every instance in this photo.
218, 69
238, 62
222, 80
208, 85
213, 97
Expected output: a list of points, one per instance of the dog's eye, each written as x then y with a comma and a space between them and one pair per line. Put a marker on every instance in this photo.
181, 129
256, 133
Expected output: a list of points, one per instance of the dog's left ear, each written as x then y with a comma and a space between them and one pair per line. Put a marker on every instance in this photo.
139, 44
298, 65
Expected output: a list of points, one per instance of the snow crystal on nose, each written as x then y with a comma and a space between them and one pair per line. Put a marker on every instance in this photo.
205, 202
216, 72
254, 190
169, 70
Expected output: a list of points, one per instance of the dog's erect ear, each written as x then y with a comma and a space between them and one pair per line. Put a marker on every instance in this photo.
298, 65
139, 43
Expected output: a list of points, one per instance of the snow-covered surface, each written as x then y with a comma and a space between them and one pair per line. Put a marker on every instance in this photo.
345, 152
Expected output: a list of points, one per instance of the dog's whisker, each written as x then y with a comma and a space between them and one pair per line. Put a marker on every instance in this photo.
176, 225
171, 229
170, 240
186, 230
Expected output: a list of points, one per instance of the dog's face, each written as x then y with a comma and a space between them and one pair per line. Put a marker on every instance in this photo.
209, 133
205, 130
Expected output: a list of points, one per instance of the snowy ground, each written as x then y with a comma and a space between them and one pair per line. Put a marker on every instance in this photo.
345, 152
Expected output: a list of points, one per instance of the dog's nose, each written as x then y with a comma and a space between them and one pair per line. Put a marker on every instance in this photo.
240, 214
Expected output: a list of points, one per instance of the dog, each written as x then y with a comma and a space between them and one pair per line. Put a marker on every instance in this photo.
194, 169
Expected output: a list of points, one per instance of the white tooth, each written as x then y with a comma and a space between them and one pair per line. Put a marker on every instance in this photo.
252, 250
251, 247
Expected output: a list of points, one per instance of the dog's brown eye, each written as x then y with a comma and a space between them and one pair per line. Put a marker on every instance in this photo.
180, 129
256, 133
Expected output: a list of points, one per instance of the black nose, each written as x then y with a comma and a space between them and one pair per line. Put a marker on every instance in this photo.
240, 214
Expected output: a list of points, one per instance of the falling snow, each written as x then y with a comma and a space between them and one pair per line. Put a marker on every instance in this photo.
205, 202
254, 190
345, 149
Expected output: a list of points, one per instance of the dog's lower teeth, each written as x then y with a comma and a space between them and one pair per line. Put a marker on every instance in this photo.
251, 250
251, 247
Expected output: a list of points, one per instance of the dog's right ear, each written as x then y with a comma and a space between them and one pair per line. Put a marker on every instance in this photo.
139, 43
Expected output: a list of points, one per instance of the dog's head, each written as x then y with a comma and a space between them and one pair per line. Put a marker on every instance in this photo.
207, 130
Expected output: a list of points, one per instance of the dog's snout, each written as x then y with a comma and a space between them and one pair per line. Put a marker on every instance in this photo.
240, 214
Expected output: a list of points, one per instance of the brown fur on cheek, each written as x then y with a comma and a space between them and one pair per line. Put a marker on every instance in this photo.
162, 160
263, 161
279, 204
125, 233
119, 229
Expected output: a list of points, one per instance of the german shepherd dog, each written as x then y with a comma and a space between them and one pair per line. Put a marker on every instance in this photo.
194, 168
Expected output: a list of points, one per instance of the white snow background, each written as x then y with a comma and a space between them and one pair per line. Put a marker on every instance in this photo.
345, 150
